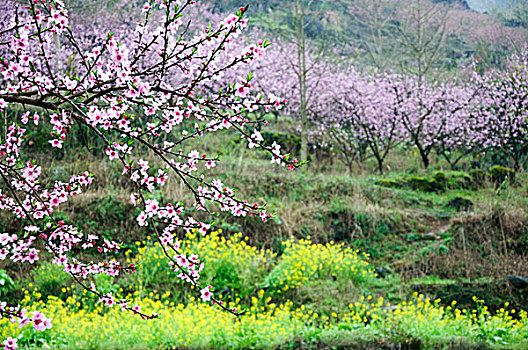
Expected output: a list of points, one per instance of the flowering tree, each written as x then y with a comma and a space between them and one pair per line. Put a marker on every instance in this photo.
456, 123
357, 116
370, 114
129, 92
502, 115
430, 113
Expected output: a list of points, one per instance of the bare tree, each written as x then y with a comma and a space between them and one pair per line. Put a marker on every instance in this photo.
300, 36
376, 17
422, 31
305, 63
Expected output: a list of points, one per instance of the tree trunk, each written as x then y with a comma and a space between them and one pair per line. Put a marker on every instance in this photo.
425, 157
302, 73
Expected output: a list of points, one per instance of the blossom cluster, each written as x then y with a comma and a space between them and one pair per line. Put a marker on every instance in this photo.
134, 89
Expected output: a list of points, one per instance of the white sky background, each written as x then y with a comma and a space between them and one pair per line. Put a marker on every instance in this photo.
483, 5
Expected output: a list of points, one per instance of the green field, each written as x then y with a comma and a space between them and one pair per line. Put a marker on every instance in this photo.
348, 260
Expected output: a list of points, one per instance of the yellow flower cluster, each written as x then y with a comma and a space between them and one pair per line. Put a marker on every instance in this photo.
229, 262
304, 260
427, 320
266, 325
196, 325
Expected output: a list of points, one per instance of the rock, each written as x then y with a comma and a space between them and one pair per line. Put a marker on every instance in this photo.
518, 282
460, 204
391, 308
431, 236
381, 272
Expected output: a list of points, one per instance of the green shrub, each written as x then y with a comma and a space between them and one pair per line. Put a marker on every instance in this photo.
291, 143
389, 183
440, 177
478, 176
440, 181
460, 203
231, 265
459, 181
6, 283
499, 174
49, 278
423, 184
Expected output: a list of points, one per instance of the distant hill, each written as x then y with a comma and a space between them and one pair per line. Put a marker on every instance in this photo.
348, 26
463, 3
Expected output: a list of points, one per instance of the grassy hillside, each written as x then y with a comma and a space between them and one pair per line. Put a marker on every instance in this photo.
350, 260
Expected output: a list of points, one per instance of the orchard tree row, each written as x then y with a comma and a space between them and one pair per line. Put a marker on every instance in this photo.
359, 114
